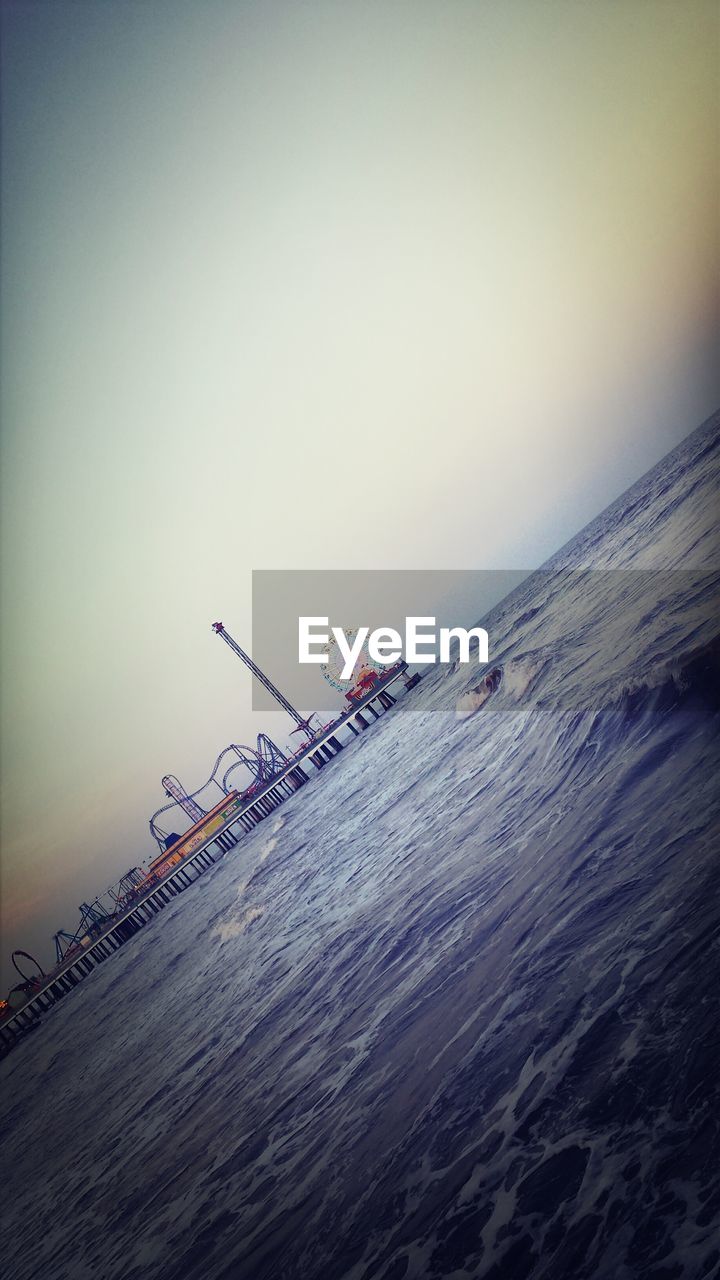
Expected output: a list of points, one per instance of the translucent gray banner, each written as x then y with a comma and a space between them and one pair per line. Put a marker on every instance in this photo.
585, 628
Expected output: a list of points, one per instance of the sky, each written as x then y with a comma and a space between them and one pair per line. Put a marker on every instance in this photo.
304, 286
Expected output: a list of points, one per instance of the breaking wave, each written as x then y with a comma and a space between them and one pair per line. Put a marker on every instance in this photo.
237, 925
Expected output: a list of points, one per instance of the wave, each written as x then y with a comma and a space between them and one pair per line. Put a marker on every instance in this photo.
268, 848
521, 674
693, 677
234, 926
515, 679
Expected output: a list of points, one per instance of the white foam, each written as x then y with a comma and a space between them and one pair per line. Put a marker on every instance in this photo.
470, 702
519, 675
268, 848
237, 925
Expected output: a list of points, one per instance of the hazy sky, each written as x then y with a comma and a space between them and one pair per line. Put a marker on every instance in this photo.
311, 285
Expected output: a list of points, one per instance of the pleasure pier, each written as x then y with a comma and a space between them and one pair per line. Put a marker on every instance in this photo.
160, 886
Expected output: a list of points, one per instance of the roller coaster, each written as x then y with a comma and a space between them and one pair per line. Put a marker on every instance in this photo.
22, 991
96, 915
34, 977
262, 762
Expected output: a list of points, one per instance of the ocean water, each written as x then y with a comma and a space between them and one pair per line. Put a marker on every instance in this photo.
454, 1011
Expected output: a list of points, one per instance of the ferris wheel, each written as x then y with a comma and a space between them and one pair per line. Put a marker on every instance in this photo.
365, 666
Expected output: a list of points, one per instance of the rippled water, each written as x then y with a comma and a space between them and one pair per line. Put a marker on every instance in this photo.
454, 1012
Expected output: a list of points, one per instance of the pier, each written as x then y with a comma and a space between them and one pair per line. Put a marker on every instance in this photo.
150, 900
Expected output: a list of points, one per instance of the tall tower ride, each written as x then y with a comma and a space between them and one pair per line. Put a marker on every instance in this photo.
303, 725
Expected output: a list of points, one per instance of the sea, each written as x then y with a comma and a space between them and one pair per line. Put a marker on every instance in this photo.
453, 1011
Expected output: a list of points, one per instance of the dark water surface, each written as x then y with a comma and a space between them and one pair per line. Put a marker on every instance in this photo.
453, 1013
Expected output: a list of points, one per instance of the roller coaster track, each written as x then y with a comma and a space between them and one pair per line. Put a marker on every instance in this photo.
262, 762
95, 915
